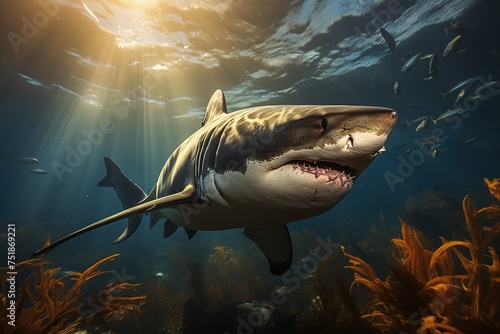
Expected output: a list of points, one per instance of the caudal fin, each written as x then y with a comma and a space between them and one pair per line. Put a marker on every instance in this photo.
112, 169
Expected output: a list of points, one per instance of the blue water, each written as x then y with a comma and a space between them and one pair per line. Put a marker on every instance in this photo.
131, 82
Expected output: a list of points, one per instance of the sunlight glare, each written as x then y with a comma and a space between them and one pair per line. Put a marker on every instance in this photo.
141, 3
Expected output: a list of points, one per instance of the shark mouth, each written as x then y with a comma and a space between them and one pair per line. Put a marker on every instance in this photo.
333, 171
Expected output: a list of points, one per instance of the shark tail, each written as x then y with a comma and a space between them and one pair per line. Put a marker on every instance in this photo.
184, 197
129, 193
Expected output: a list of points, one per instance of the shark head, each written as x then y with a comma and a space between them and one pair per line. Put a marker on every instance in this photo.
302, 159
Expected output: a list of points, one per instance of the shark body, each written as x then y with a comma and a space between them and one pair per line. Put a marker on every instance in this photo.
258, 168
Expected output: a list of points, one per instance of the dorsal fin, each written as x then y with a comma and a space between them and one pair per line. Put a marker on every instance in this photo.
216, 107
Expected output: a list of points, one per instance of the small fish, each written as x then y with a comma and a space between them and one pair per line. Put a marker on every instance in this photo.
433, 70
63, 273
389, 39
411, 61
493, 126
423, 124
451, 113
427, 140
467, 142
37, 171
397, 87
460, 85
460, 95
435, 146
436, 152
24, 160
417, 120
453, 46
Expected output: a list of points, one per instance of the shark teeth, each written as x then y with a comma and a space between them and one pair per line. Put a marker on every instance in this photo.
331, 170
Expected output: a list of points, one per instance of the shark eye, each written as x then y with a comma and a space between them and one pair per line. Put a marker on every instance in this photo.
324, 123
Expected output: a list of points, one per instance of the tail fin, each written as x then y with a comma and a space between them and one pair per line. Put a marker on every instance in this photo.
129, 193
112, 169
444, 95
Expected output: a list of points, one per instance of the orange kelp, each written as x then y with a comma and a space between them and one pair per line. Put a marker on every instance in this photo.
48, 304
493, 187
454, 289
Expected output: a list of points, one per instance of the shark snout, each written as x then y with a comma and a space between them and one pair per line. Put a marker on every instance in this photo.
363, 133
366, 129
388, 120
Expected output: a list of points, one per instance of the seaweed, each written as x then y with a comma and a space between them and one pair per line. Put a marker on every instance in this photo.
226, 277
230, 277
332, 308
454, 289
49, 304
163, 310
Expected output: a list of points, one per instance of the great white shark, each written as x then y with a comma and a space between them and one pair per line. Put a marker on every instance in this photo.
258, 168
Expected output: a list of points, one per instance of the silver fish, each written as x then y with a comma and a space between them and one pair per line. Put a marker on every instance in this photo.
24, 160
37, 171
460, 85
451, 113
423, 124
433, 70
411, 62
453, 46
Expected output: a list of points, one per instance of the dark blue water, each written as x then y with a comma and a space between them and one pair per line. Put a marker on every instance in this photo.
78, 83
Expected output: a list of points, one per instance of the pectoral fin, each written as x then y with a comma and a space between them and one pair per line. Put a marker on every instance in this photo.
276, 244
187, 196
132, 225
